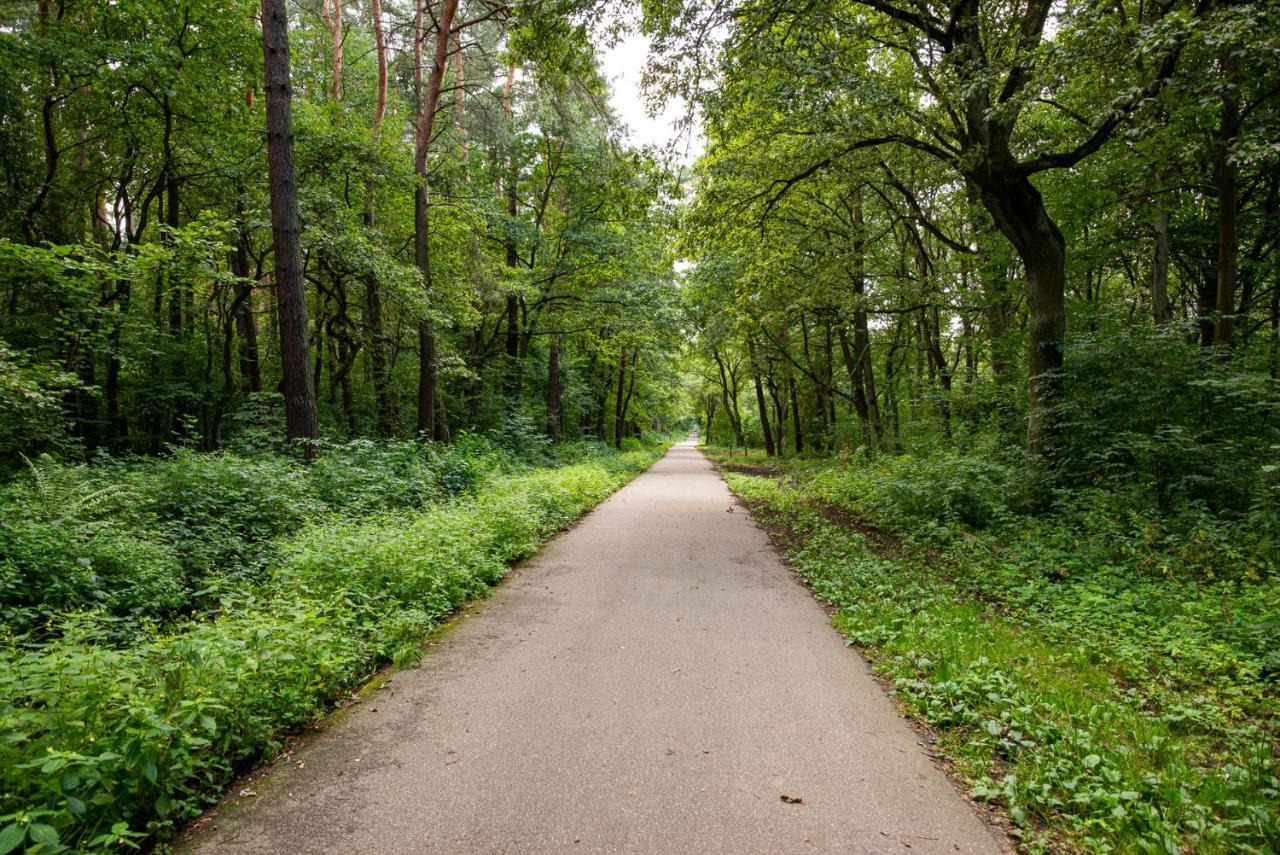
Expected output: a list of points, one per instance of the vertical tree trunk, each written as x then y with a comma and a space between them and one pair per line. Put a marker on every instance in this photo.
245, 320
1224, 330
728, 396
856, 386
861, 333
460, 103
763, 408
428, 100
331, 14
798, 429
617, 407
1160, 266
603, 408
299, 395
385, 418
779, 414
1019, 212
510, 193
555, 404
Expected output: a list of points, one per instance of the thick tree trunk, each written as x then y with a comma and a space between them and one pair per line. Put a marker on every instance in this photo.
299, 395
1020, 214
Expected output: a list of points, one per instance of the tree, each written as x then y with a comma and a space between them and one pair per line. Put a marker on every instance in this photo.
299, 393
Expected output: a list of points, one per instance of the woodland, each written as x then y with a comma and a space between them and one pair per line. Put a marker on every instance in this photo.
315, 316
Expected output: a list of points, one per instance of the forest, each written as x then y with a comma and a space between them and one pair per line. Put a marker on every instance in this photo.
316, 316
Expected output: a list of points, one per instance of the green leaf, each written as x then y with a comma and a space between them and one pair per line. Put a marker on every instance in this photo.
11, 838
149, 769
45, 835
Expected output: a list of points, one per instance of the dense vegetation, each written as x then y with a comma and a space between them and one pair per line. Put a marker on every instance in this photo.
466, 237
315, 316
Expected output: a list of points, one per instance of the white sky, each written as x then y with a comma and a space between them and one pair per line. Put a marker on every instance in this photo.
623, 65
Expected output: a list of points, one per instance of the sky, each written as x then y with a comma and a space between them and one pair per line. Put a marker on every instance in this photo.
623, 64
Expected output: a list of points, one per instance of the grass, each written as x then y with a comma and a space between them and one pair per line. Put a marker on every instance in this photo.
1103, 702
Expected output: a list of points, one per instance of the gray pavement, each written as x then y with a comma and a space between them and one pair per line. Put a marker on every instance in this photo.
654, 681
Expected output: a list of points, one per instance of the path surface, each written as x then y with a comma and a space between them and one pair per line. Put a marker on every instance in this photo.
653, 681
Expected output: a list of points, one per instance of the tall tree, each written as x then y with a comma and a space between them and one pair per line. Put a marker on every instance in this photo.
291, 300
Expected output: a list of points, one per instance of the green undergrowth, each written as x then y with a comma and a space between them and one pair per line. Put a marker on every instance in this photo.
1112, 687
201, 608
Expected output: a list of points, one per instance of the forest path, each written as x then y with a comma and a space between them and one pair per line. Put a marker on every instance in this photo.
655, 680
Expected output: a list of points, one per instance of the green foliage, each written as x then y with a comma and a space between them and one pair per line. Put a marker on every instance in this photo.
1078, 672
111, 736
1151, 414
31, 404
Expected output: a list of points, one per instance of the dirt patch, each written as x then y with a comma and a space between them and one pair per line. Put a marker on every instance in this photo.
882, 543
760, 470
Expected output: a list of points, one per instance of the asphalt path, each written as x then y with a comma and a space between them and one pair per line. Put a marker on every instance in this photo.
655, 680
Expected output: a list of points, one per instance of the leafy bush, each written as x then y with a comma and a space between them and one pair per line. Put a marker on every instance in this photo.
947, 487
1167, 425
68, 542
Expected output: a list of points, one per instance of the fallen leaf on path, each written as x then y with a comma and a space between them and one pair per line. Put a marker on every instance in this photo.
791, 800
246, 793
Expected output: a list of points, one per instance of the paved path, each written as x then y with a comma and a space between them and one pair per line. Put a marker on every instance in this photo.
654, 681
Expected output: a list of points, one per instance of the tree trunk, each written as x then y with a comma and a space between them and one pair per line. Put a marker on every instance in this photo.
617, 408
1019, 213
798, 429
299, 395
729, 395
1224, 330
428, 100
760, 403
856, 386
511, 195
385, 409
1160, 267
246, 321
555, 392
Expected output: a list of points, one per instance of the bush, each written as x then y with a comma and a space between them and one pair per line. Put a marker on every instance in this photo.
944, 487
1149, 414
